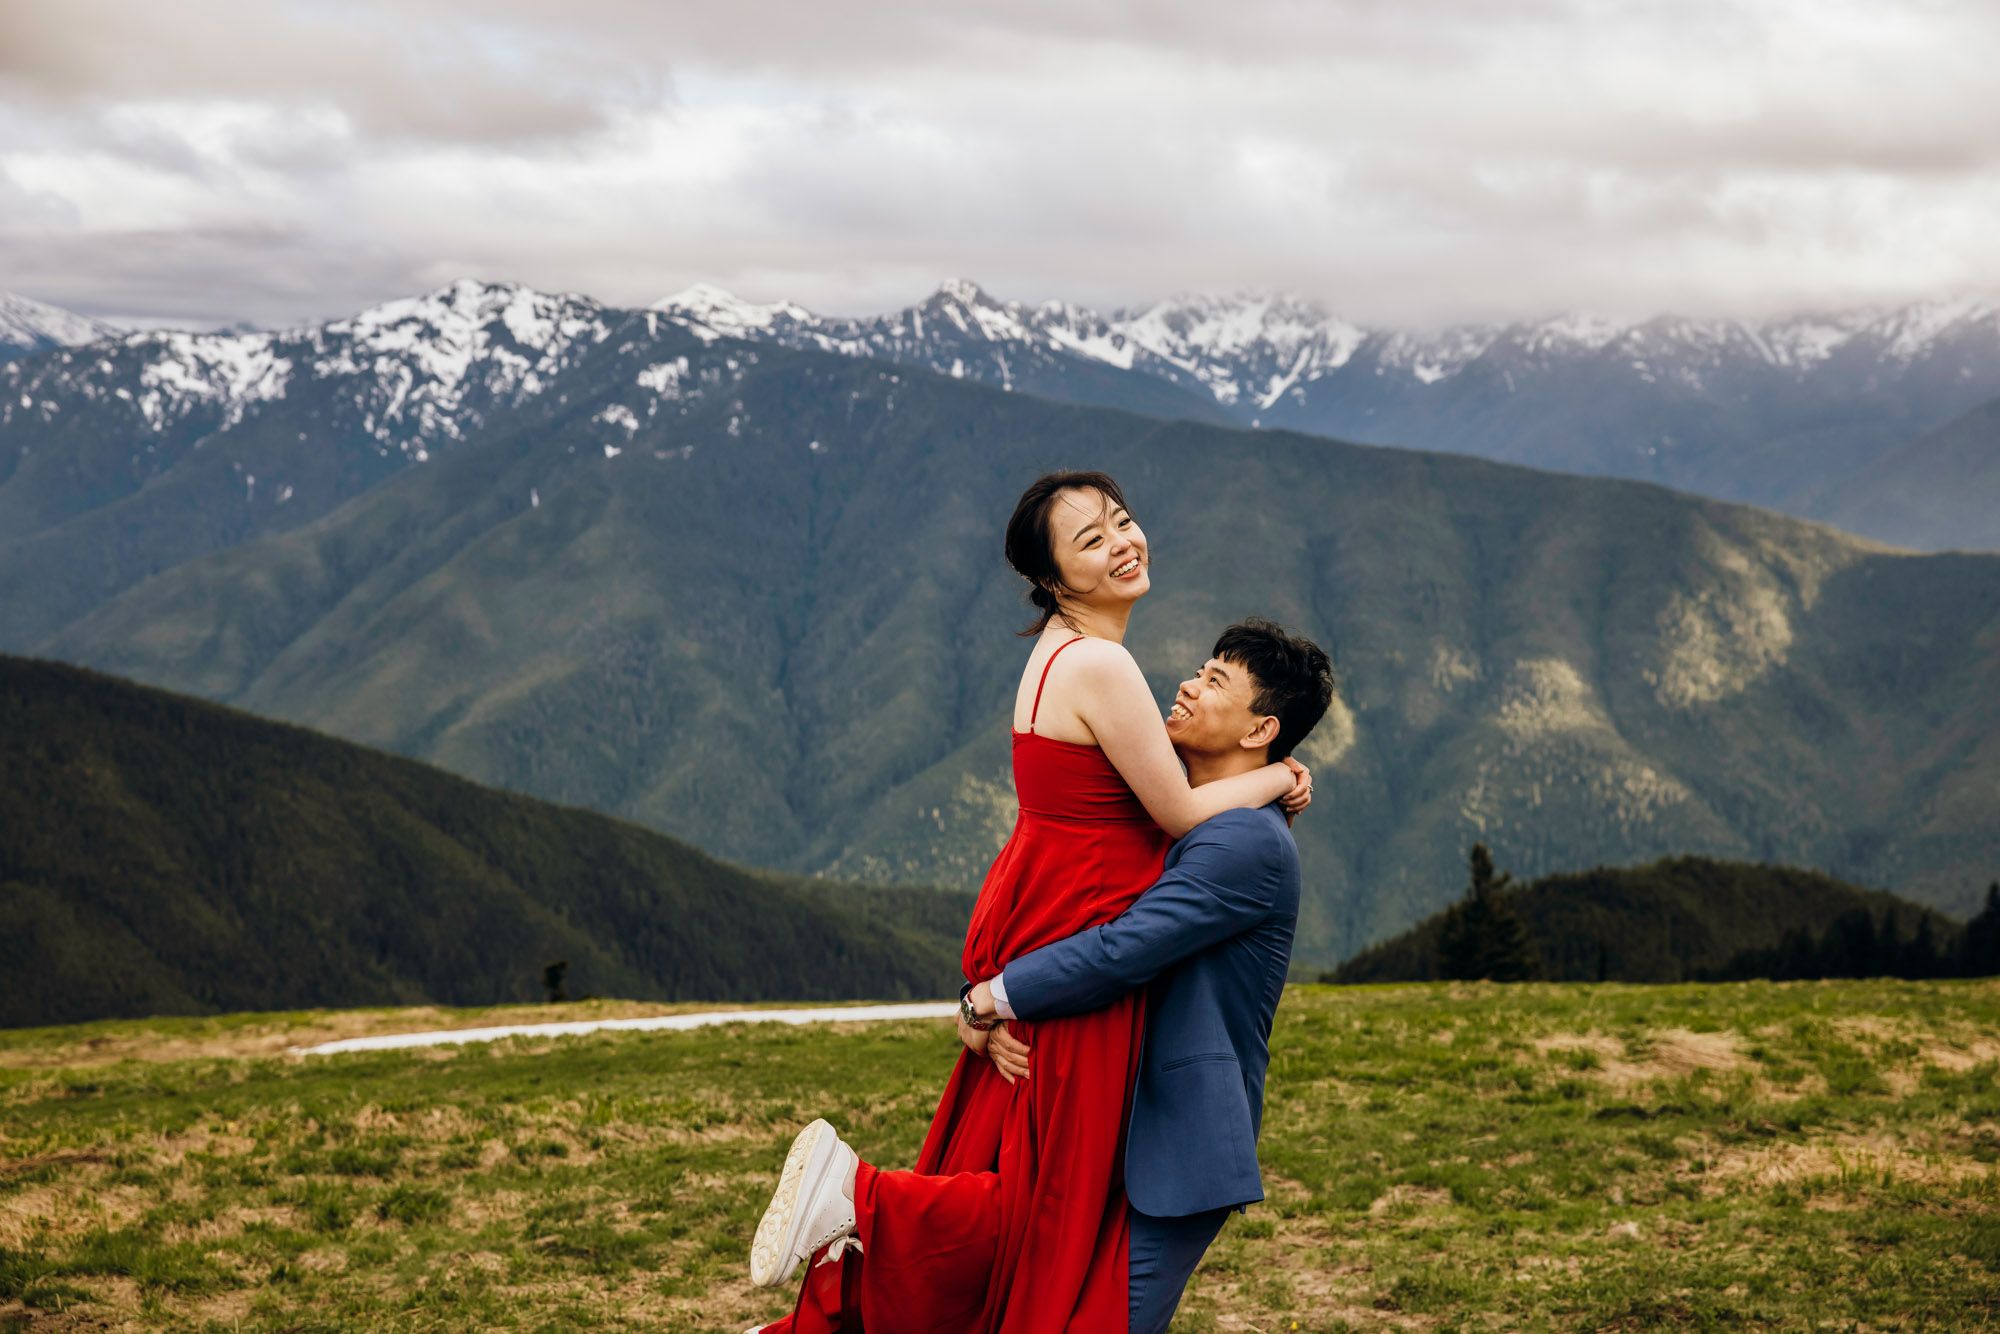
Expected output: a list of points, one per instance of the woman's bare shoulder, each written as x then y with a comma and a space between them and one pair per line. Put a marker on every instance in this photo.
1100, 657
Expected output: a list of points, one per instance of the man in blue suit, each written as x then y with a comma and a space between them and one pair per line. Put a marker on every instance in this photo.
1211, 942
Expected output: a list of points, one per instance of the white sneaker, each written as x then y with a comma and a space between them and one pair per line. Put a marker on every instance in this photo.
810, 1208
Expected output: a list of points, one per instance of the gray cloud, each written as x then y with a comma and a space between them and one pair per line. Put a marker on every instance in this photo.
1407, 161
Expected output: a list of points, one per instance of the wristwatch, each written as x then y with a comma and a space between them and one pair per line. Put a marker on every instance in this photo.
970, 1017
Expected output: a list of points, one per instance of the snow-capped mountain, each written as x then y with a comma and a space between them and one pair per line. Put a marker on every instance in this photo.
156, 447
1245, 351
1770, 412
1240, 353
409, 375
28, 326
1053, 349
1777, 413
1253, 354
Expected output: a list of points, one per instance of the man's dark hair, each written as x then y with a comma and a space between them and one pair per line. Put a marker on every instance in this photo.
1293, 677
1031, 547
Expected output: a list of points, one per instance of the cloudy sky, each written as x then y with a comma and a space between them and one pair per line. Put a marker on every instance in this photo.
1404, 161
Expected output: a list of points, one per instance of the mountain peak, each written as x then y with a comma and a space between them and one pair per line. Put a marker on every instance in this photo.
1914, 329
964, 292
464, 298
1576, 329
27, 325
723, 312
700, 296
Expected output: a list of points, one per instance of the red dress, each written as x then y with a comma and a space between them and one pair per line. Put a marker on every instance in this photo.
1015, 1219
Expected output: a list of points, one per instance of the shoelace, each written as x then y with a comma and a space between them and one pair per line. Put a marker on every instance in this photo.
841, 1246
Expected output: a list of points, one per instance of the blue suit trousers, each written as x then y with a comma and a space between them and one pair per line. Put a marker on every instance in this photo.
1164, 1253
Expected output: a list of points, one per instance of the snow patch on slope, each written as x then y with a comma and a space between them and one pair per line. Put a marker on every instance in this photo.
414, 371
1244, 349
428, 354
228, 371
33, 326
730, 316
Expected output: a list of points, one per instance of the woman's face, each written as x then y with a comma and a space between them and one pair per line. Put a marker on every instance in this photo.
1099, 549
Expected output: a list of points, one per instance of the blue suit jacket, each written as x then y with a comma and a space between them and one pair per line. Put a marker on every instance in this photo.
1214, 939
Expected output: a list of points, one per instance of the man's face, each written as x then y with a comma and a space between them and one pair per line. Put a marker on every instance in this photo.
1211, 712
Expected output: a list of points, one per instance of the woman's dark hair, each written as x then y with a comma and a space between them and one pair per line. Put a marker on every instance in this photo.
1293, 676
1030, 545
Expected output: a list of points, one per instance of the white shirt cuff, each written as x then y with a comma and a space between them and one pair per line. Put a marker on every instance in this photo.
998, 986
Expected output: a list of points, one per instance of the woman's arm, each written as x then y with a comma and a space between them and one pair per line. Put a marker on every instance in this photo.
1115, 703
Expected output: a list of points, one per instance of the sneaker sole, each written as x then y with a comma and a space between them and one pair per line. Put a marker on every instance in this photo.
771, 1258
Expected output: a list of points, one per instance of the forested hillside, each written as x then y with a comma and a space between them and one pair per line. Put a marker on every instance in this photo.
1677, 919
1941, 490
160, 855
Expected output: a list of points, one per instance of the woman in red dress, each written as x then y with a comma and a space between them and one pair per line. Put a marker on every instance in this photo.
1015, 1218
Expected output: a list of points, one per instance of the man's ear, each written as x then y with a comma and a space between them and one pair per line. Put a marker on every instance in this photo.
1263, 734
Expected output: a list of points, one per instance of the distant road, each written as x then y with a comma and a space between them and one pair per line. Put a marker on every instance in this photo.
826, 1014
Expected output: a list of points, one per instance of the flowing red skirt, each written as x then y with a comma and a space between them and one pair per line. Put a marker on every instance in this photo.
1014, 1220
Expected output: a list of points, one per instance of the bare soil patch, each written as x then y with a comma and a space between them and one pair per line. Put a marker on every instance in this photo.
1410, 1199
1874, 1159
1670, 1054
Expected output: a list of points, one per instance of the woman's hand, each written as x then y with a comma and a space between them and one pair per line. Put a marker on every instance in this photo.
973, 1038
1113, 702
1008, 1053
1301, 795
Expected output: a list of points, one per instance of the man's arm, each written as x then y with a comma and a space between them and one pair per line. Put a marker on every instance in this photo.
1222, 885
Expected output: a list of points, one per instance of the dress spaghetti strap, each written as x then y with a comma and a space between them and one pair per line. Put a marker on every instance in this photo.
1035, 711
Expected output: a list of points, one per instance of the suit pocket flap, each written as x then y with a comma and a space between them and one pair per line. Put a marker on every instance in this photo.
1180, 1061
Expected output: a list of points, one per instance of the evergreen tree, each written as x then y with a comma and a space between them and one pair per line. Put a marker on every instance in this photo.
1920, 957
1483, 936
1850, 946
1979, 954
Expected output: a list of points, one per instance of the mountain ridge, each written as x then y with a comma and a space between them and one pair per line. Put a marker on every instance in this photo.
1777, 413
28, 326
160, 854
1200, 332
751, 595
150, 448
1939, 489
1770, 412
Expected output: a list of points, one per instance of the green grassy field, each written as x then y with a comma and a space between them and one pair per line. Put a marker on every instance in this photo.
1751, 1156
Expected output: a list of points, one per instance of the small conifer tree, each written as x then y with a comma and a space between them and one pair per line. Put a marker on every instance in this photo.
1979, 954
1920, 956
1483, 936
553, 980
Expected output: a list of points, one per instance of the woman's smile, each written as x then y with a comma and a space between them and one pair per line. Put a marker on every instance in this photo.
1128, 569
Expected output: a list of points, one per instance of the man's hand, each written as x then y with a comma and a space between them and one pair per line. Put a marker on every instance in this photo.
981, 997
974, 1038
1008, 1053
